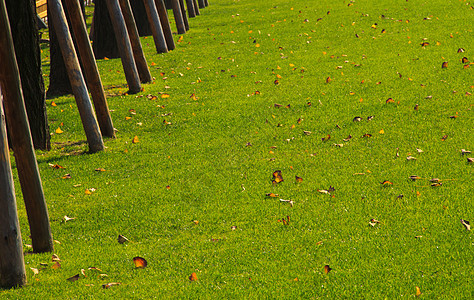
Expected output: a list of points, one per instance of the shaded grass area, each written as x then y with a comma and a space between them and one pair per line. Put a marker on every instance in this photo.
190, 195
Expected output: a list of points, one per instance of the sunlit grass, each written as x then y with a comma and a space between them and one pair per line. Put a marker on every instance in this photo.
190, 195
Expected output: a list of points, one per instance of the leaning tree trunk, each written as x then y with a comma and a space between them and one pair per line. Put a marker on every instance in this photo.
141, 20
103, 39
22, 17
104, 43
59, 84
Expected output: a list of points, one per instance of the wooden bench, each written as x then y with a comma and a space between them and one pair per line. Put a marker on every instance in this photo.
42, 9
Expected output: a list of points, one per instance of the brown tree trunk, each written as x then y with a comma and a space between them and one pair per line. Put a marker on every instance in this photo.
104, 43
59, 84
140, 15
26, 42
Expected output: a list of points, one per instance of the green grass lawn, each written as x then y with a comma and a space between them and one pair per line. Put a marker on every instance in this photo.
260, 86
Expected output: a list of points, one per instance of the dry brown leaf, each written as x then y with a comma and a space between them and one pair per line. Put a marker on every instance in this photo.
140, 262
193, 276
74, 278
466, 224
122, 239
110, 284
327, 269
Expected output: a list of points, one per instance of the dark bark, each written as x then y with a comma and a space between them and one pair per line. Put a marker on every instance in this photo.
22, 17
59, 84
104, 43
141, 20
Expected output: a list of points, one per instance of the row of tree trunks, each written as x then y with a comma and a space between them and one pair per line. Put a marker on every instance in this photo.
22, 145
89, 122
12, 265
89, 68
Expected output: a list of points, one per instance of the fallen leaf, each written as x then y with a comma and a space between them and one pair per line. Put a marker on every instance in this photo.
367, 135
356, 119
289, 201
277, 177
286, 221
411, 158
389, 100
347, 138
444, 137
122, 239
66, 218
140, 262
67, 176
444, 65
470, 159
326, 138
100, 170
414, 177
417, 291
54, 257
193, 276
56, 166
386, 182
272, 195
327, 269
135, 140
58, 130
110, 284
35, 271
306, 132
298, 179
73, 278
466, 224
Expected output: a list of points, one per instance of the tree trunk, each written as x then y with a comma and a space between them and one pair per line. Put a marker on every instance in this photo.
59, 84
140, 15
104, 43
26, 41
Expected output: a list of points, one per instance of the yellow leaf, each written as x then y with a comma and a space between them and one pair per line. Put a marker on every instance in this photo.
59, 131
257, 45
381, 131
418, 292
163, 96
88, 192
135, 140
53, 104
128, 118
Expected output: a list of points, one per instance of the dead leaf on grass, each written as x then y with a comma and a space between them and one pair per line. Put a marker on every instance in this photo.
140, 262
